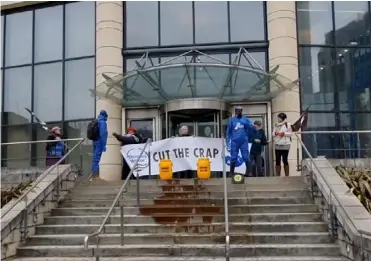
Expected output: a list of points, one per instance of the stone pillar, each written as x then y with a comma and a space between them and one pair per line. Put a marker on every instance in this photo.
109, 43
283, 51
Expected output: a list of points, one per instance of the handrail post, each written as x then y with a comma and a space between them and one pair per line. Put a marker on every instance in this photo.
226, 214
138, 190
122, 223
117, 198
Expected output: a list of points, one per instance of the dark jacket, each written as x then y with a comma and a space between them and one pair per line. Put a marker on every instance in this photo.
127, 140
256, 148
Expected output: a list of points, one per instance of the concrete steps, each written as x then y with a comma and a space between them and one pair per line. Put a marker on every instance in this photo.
196, 250
185, 209
186, 258
180, 201
270, 219
182, 238
192, 219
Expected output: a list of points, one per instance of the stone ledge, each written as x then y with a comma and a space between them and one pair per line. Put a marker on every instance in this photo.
39, 202
354, 219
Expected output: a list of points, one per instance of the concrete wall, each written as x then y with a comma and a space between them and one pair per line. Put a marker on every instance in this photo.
282, 51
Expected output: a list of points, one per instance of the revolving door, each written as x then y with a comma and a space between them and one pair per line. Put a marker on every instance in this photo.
196, 114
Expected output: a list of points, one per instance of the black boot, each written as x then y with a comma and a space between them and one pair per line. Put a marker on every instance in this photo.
248, 172
231, 170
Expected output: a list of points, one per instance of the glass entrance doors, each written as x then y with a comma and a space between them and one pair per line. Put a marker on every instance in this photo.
198, 125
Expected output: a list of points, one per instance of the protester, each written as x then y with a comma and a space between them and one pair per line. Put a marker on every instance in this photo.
238, 140
183, 131
130, 138
97, 132
55, 150
282, 139
258, 141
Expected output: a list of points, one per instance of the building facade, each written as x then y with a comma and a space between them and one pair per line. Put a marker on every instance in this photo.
176, 63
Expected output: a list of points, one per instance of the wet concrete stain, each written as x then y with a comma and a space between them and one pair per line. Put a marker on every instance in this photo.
184, 206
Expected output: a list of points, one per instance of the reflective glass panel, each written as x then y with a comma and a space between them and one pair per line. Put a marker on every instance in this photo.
2, 40
176, 23
352, 23
353, 67
18, 39
17, 95
247, 21
19, 155
79, 78
80, 29
314, 22
48, 91
317, 78
211, 22
77, 129
178, 82
144, 128
48, 33
141, 23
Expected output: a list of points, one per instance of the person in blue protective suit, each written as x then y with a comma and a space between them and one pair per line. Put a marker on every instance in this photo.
238, 140
99, 146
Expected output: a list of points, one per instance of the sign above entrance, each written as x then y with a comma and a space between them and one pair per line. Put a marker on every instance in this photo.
193, 74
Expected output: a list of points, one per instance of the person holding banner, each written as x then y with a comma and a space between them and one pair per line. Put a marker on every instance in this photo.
130, 138
238, 140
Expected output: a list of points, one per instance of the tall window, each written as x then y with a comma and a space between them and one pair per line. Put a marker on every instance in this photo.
335, 63
48, 67
175, 23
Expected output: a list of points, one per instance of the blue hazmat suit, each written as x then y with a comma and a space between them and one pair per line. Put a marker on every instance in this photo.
238, 137
99, 146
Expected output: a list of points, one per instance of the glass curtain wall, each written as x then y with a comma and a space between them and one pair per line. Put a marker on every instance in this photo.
335, 63
47, 66
169, 28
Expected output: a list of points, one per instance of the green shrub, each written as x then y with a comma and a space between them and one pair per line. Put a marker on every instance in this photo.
359, 183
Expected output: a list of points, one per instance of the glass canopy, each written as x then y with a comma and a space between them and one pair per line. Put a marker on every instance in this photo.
193, 74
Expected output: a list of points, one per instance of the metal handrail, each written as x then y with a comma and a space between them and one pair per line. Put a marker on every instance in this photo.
39, 141
359, 232
334, 132
226, 212
46, 172
100, 229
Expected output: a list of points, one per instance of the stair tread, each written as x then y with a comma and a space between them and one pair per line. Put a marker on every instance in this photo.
186, 199
176, 214
195, 206
188, 246
157, 258
186, 258
188, 234
194, 224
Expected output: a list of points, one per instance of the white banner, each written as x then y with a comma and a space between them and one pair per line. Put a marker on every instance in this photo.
182, 151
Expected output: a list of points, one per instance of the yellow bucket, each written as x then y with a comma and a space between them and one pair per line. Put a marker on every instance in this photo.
203, 168
166, 169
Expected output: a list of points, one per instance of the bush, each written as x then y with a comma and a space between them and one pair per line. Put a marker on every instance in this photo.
359, 183
15, 192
